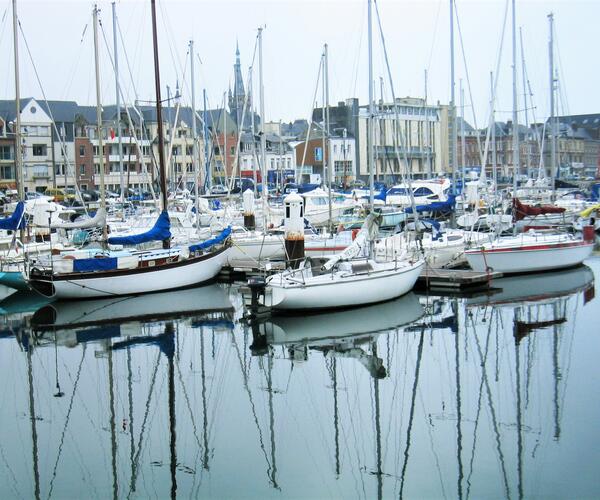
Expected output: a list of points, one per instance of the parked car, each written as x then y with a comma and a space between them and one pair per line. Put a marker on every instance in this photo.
218, 189
57, 194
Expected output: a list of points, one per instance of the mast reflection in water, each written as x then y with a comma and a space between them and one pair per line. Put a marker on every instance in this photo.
175, 395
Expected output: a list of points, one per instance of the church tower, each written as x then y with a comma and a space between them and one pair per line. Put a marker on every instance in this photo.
238, 97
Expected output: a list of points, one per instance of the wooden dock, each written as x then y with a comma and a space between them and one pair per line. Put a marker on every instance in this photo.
455, 280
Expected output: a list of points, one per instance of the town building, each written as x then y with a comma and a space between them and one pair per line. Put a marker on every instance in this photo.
409, 136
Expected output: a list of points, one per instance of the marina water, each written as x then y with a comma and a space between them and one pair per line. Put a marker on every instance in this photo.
167, 395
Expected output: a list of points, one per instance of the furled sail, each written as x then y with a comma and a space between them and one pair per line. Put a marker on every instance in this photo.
161, 231
368, 232
99, 219
521, 210
16, 220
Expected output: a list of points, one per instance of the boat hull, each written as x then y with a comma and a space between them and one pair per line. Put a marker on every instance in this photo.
346, 291
530, 257
182, 274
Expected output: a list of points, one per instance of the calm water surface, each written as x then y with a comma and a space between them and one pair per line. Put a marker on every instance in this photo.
423, 397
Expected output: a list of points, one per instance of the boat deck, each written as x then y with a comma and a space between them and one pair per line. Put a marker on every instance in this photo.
455, 280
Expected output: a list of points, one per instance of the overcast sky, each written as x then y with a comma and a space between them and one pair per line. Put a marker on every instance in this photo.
416, 35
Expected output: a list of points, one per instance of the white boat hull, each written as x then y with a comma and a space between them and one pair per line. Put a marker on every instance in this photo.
132, 282
345, 290
529, 257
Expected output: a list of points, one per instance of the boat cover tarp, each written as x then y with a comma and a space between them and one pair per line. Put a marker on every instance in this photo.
16, 220
99, 264
220, 238
436, 206
97, 220
160, 231
521, 210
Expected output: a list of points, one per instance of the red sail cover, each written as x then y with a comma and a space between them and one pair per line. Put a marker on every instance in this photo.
520, 210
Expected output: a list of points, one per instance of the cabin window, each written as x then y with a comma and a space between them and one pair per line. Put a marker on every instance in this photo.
287, 211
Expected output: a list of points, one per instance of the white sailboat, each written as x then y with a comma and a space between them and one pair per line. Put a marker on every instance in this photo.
530, 252
348, 279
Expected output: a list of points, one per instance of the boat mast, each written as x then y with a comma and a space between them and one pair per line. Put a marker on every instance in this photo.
463, 145
161, 144
194, 139
524, 76
515, 115
453, 145
209, 180
493, 121
370, 149
427, 131
263, 137
99, 121
18, 159
327, 163
118, 120
552, 124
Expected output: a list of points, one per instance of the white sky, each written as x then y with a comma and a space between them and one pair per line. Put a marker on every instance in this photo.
416, 32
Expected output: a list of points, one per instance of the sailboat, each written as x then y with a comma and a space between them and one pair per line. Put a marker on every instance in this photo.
531, 251
351, 278
90, 274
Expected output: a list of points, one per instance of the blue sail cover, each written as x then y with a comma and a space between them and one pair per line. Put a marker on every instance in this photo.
160, 231
213, 241
16, 220
436, 206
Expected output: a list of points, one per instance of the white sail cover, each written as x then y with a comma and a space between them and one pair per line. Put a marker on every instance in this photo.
368, 232
97, 220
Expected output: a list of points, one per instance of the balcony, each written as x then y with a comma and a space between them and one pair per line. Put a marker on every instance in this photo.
126, 158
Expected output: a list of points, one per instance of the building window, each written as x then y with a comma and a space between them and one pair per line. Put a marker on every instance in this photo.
189, 167
97, 168
39, 150
178, 167
6, 153
7, 172
96, 150
232, 150
189, 150
81, 150
82, 169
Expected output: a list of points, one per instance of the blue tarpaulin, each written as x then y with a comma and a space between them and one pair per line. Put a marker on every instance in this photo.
16, 220
436, 206
213, 241
160, 231
99, 264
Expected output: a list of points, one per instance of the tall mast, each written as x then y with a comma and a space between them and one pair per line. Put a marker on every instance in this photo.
515, 115
524, 76
463, 145
206, 140
161, 144
552, 124
453, 145
263, 137
327, 163
427, 145
118, 120
194, 139
99, 119
493, 121
370, 149
18, 160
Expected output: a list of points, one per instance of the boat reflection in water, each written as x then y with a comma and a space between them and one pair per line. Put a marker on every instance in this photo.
119, 316
419, 397
340, 333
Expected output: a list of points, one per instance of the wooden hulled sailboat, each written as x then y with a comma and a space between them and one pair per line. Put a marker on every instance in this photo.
90, 274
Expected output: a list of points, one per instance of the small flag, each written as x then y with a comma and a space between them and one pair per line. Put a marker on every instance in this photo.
112, 133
